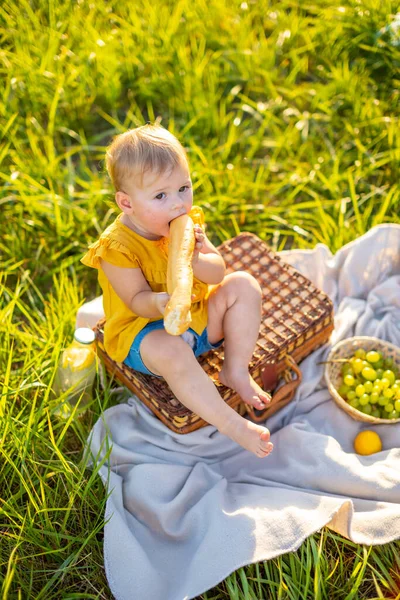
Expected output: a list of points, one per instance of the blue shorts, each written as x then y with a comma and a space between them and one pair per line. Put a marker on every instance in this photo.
198, 343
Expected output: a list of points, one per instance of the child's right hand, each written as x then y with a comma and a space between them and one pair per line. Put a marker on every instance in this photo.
161, 300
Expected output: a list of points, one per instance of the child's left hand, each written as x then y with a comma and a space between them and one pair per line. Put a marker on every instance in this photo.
200, 237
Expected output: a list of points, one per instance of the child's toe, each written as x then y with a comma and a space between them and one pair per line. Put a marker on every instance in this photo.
258, 402
264, 397
265, 451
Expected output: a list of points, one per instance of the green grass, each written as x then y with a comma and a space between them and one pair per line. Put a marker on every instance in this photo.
290, 114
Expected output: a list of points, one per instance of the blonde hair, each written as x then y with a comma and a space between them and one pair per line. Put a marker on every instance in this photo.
145, 148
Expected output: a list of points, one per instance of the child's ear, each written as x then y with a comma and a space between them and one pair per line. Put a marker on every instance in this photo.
124, 202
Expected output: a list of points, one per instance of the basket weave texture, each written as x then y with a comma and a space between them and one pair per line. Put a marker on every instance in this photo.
296, 319
346, 349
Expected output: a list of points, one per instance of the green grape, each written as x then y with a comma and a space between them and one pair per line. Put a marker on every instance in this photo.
360, 353
369, 373
343, 390
397, 382
389, 375
379, 373
388, 393
354, 403
360, 390
382, 401
374, 397
373, 356
389, 407
351, 395
346, 370
365, 399
368, 386
397, 405
389, 363
378, 365
358, 365
385, 383
376, 388
395, 414
396, 387
376, 413
367, 409
349, 380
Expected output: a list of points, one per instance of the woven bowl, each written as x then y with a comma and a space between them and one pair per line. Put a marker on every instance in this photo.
346, 349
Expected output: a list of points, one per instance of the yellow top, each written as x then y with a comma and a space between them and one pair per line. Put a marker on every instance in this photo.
121, 246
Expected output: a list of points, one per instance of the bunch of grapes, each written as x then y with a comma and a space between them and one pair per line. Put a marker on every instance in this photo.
371, 384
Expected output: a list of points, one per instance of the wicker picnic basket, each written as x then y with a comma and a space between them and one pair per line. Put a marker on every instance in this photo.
297, 318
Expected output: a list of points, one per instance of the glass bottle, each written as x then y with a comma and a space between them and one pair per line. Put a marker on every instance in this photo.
76, 372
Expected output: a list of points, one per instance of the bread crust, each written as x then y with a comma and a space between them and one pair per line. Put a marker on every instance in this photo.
177, 316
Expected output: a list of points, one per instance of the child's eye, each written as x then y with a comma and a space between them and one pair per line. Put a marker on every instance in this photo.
184, 188
160, 196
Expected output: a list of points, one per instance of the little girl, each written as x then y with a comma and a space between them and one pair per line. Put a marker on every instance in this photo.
150, 172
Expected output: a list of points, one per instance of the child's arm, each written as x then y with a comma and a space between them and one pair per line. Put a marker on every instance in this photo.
208, 264
133, 289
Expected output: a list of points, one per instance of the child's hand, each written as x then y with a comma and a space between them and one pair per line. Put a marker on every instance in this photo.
161, 300
200, 237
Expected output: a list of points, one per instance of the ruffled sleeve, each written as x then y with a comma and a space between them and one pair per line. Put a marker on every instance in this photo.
112, 252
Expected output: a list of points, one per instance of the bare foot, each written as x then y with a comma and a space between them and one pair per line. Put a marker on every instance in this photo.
250, 436
243, 383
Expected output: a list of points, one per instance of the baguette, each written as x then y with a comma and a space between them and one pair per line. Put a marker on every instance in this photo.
177, 317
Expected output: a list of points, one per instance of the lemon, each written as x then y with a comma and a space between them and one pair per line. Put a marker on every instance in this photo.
367, 442
77, 359
197, 215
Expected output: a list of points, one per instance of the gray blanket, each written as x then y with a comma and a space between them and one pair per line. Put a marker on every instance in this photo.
185, 511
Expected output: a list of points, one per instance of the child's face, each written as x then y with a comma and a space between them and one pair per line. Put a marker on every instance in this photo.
161, 199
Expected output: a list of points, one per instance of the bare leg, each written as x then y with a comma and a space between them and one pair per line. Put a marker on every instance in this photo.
234, 312
172, 358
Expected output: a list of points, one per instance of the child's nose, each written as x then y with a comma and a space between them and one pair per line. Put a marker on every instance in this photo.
178, 204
